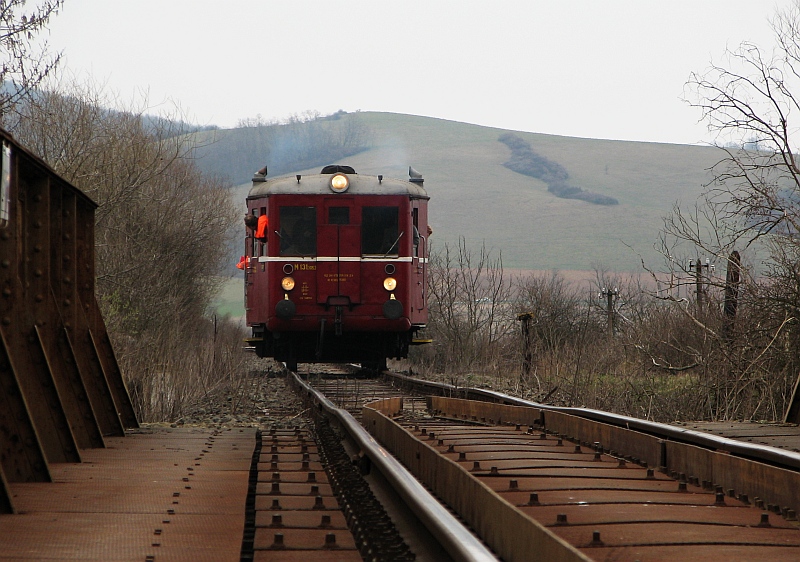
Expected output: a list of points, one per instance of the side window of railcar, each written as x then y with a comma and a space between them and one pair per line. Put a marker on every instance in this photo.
380, 234
298, 231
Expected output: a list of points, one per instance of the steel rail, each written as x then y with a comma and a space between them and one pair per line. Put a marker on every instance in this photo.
458, 541
760, 453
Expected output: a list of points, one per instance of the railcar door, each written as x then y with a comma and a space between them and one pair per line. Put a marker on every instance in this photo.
339, 254
419, 257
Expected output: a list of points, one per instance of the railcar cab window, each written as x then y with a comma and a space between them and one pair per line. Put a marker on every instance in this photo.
298, 231
380, 234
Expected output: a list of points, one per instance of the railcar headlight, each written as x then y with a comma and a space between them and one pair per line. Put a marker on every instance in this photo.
287, 283
339, 183
390, 283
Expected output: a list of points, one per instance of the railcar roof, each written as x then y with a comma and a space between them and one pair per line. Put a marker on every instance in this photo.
318, 184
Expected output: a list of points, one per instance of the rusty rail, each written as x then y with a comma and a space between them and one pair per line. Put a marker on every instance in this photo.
512, 534
760, 453
451, 534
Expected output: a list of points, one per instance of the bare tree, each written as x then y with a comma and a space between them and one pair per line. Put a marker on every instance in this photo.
470, 309
161, 234
23, 67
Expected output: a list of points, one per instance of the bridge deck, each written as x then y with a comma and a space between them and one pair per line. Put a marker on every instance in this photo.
155, 494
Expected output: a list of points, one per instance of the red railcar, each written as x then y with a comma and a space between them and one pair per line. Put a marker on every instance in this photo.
341, 273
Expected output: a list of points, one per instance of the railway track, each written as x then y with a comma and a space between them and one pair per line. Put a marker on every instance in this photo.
586, 488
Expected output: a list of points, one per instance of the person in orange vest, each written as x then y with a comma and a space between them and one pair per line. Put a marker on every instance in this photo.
263, 226
242, 262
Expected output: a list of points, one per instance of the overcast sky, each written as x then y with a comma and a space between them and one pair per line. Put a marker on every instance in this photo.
601, 69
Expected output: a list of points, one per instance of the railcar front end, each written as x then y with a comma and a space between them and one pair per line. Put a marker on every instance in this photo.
335, 266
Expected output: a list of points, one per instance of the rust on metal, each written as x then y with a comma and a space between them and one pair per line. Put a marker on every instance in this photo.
60, 388
138, 498
593, 486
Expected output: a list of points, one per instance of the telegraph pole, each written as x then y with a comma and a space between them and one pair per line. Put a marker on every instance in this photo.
698, 276
610, 295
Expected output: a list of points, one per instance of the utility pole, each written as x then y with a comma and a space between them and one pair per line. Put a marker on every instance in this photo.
609, 295
527, 354
698, 276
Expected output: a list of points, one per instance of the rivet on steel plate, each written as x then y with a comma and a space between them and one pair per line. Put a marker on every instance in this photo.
650, 474
149, 558
621, 463
791, 515
277, 541
156, 544
493, 470
276, 488
476, 465
274, 458
276, 504
596, 539
176, 494
561, 519
577, 448
424, 431
462, 456
273, 465
764, 520
306, 457
597, 456
542, 435
731, 493
304, 465
744, 499
330, 540
326, 521
759, 503
720, 499
560, 442
681, 486
318, 503
441, 442
513, 485
451, 448
312, 477
157, 532
277, 521
165, 521
276, 476
314, 490
170, 512
517, 427
534, 499
431, 436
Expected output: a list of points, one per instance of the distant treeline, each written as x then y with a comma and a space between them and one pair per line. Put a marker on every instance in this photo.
300, 142
527, 162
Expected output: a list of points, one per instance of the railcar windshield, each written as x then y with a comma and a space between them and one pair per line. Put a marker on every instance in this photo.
380, 234
298, 231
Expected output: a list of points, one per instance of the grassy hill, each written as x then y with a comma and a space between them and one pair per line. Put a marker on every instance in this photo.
475, 196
